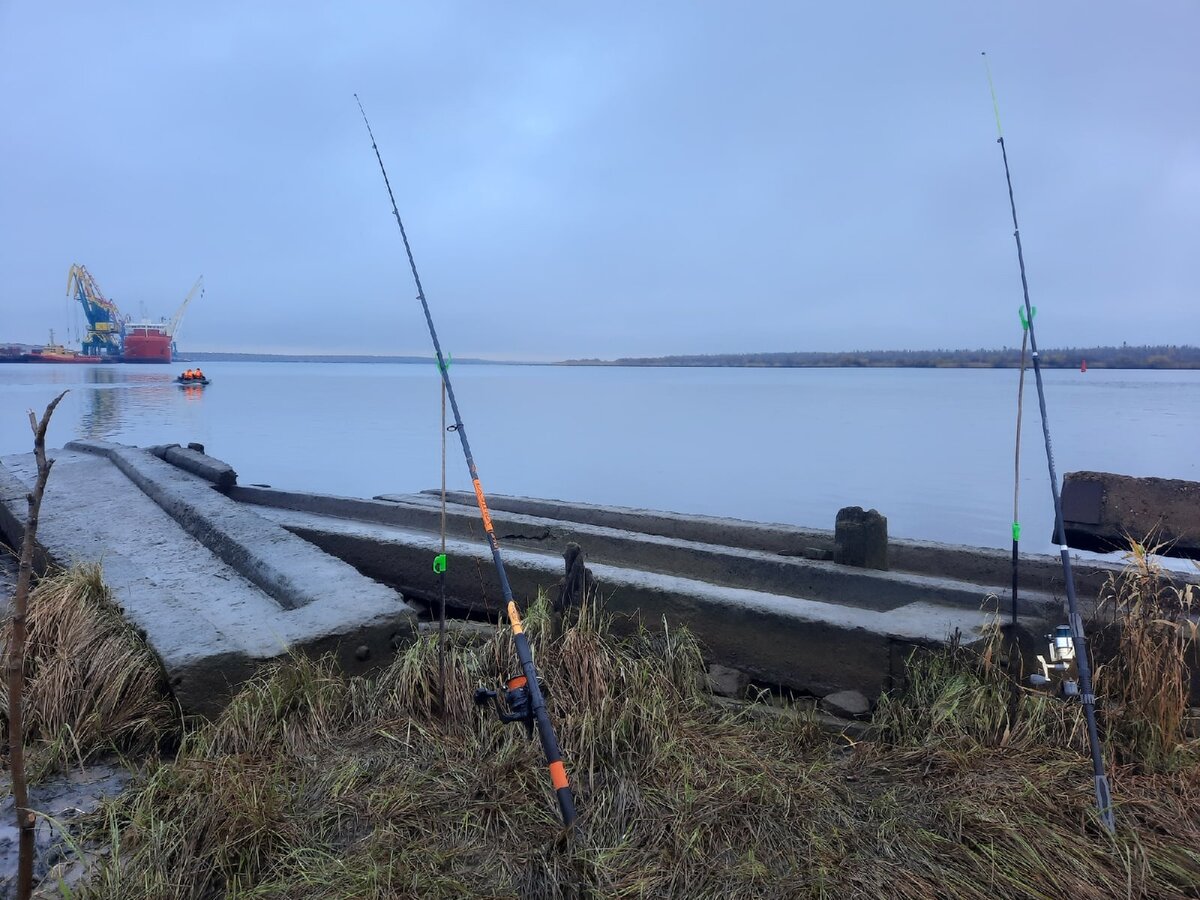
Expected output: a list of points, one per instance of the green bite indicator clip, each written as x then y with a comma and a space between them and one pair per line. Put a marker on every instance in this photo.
439, 563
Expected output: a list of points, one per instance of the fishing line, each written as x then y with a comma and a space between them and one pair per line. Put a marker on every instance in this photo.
525, 689
439, 566
1016, 523
1103, 792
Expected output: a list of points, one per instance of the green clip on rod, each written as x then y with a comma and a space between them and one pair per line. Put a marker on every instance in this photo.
1103, 792
524, 692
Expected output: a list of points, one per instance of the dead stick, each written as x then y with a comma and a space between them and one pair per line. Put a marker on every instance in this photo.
26, 822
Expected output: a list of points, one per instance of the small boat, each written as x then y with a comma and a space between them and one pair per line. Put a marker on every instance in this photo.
57, 353
192, 382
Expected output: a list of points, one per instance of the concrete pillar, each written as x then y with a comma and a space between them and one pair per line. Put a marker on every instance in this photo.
860, 538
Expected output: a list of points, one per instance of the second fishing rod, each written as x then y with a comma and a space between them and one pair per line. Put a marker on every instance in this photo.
524, 693
1103, 792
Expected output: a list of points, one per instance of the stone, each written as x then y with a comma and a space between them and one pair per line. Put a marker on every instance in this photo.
726, 682
817, 553
860, 538
848, 704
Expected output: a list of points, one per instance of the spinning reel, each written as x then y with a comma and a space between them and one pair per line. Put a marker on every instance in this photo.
516, 698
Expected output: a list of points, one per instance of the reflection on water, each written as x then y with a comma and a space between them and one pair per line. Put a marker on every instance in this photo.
115, 393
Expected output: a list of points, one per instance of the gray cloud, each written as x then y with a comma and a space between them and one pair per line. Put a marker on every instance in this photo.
610, 180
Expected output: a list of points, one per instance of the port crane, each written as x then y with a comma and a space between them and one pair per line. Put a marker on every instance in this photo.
105, 324
111, 334
173, 326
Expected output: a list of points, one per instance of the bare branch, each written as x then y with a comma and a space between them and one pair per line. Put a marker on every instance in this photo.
15, 663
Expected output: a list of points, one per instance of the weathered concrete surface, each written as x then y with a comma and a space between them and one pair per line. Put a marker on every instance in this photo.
761, 597
860, 538
284, 567
209, 624
1102, 511
648, 552
793, 641
1040, 573
221, 474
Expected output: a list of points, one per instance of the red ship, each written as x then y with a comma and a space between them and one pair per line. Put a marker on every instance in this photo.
146, 342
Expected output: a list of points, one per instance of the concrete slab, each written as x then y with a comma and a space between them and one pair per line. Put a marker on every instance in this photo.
1039, 573
1102, 511
648, 552
792, 641
209, 624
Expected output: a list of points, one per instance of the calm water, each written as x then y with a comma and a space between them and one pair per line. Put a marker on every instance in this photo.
930, 449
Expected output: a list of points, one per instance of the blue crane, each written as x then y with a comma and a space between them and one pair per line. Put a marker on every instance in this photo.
106, 326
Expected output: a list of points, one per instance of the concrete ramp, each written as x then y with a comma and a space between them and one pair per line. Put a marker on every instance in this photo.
222, 577
216, 588
743, 588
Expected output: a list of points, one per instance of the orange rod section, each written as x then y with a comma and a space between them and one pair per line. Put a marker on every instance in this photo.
483, 510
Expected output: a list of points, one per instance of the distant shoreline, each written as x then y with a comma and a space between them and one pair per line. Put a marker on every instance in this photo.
1132, 358
1162, 356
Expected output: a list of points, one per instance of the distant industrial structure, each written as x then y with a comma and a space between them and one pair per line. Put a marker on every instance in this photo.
111, 336
114, 337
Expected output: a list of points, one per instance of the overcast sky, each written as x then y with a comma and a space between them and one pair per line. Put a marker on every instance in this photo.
604, 179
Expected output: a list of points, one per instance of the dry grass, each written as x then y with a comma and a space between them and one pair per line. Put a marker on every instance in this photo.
314, 785
1147, 677
92, 684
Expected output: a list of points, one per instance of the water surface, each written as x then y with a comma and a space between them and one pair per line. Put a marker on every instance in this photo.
932, 449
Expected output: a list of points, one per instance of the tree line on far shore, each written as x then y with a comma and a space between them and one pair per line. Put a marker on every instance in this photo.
1159, 356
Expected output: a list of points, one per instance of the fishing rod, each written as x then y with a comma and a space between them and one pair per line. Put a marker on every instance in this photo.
523, 693
1103, 792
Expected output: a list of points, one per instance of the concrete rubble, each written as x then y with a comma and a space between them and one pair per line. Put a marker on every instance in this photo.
222, 577
1102, 512
847, 704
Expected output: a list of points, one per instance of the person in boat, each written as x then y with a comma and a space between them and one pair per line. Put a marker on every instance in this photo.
199, 375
